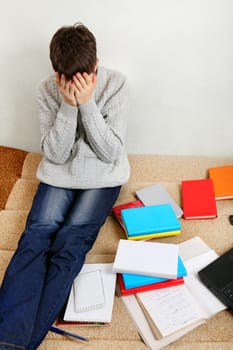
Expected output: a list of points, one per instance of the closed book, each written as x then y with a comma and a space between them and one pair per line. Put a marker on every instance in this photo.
133, 281
146, 258
152, 286
157, 194
150, 222
116, 211
198, 199
222, 177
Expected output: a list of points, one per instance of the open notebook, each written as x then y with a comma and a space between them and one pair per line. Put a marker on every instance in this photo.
162, 316
92, 295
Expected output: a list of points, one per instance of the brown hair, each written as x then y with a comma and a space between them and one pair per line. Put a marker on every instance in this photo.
72, 50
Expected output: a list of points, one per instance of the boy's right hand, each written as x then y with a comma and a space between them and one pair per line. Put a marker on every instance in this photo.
67, 89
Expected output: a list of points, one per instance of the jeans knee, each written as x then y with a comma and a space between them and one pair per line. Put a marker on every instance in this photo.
74, 241
37, 236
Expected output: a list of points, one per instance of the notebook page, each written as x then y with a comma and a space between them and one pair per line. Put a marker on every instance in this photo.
207, 300
88, 291
192, 247
171, 309
144, 329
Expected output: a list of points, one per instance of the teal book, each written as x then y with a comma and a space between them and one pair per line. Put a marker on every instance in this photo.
150, 221
134, 281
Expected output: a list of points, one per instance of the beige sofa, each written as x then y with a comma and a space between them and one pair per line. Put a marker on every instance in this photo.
17, 187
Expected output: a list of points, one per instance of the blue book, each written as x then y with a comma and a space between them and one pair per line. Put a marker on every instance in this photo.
150, 221
133, 281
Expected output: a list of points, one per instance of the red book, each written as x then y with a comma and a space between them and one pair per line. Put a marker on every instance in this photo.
116, 211
198, 199
159, 285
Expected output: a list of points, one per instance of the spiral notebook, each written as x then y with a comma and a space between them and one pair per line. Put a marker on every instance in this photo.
92, 294
88, 291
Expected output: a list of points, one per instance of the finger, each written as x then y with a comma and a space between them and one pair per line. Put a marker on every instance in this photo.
71, 88
77, 83
68, 85
87, 78
81, 80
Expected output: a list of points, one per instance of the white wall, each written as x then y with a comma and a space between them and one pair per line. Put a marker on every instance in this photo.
177, 55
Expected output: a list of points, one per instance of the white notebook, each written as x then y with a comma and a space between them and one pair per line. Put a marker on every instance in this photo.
157, 194
88, 291
147, 258
95, 290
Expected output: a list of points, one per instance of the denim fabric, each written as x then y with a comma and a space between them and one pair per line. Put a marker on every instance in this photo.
61, 228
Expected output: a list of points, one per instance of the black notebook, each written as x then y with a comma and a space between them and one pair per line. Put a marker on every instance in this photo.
218, 277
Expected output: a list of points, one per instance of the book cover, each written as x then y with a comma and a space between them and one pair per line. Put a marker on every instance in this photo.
150, 221
146, 258
143, 288
198, 199
157, 194
116, 211
134, 281
222, 177
91, 310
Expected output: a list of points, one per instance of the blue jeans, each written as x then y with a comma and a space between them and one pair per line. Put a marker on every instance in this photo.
61, 228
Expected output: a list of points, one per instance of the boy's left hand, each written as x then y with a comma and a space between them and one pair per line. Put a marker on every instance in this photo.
84, 86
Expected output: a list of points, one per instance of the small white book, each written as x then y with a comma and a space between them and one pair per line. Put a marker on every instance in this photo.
157, 194
92, 294
147, 258
164, 315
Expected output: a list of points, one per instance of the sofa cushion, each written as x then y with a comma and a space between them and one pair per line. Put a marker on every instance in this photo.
18, 184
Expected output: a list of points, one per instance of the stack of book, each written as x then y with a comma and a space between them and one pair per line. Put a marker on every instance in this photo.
150, 222
155, 214
134, 283
143, 266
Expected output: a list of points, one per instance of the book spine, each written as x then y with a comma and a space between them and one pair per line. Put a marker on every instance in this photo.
154, 235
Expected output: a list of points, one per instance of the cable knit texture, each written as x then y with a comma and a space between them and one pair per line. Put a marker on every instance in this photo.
83, 146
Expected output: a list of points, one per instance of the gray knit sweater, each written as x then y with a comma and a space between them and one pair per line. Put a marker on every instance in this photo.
83, 146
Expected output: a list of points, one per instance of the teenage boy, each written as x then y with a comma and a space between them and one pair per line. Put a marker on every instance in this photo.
82, 111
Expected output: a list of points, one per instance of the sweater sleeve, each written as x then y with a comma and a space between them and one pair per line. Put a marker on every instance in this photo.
58, 124
106, 133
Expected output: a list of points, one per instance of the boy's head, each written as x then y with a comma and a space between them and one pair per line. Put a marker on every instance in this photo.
72, 50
